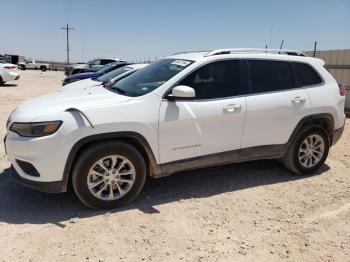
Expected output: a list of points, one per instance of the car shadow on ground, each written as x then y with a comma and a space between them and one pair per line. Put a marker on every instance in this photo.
19, 204
8, 85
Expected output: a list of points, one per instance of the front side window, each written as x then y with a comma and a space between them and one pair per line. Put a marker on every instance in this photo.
305, 75
269, 76
113, 74
217, 80
150, 77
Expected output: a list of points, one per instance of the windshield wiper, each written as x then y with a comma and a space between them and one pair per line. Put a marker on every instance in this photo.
106, 83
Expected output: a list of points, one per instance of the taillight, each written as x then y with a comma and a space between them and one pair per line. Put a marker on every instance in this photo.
9, 67
342, 90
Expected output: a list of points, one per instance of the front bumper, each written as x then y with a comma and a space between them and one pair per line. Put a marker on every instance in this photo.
48, 187
48, 155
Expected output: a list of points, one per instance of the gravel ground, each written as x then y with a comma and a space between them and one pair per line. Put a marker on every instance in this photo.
252, 211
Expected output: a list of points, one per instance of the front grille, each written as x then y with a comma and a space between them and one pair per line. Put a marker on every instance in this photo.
28, 168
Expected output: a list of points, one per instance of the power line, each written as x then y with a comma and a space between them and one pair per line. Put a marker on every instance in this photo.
67, 28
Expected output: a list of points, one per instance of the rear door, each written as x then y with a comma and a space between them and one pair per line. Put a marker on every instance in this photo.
210, 123
275, 104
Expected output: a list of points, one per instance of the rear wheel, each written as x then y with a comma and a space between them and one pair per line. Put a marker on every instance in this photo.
23, 67
43, 68
1, 81
308, 152
109, 175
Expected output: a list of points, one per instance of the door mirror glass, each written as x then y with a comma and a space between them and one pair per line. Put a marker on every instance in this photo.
182, 92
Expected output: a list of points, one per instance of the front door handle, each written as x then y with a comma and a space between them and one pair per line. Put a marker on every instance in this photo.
233, 108
298, 100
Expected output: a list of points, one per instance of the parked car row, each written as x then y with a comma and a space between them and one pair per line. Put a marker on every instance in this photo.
90, 66
94, 73
186, 111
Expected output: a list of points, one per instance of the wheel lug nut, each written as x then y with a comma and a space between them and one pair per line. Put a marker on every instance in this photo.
106, 180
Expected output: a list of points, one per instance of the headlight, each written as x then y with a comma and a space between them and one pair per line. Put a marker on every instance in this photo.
35, 129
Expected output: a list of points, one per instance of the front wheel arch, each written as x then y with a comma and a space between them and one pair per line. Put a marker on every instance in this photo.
133, 138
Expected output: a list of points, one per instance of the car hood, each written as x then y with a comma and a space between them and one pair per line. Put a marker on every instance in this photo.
82, 99
85, 83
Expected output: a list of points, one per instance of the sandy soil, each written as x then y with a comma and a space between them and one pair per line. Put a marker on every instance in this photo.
254, 211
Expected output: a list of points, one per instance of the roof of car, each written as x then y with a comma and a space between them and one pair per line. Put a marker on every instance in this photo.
278, 54
137, 66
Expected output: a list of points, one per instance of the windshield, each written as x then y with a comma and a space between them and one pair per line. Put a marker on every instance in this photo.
113, 74
105, 69
151, 77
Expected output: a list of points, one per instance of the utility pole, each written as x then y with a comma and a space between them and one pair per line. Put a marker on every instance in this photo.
315, 46
67, 28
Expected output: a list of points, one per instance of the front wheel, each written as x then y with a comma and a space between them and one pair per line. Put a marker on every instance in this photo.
109, 175
308, 152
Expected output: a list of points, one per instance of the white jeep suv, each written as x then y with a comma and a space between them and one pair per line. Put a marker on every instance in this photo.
182, 112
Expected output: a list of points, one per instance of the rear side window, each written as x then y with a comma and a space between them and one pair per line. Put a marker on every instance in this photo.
217, 80
269, 76
305, 75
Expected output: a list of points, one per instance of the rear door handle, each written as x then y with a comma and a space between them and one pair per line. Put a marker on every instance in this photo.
233, 108
298, 100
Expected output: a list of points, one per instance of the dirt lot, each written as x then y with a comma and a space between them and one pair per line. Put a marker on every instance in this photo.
254, 211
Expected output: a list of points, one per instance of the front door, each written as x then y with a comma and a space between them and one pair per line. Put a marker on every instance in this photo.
210, 123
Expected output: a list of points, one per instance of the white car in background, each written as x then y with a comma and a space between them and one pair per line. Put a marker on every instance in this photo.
106, 79
8, 72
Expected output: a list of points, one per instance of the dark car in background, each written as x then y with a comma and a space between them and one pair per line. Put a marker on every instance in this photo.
95, 74
92, 65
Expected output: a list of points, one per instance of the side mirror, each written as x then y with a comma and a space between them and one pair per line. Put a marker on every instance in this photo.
182, 92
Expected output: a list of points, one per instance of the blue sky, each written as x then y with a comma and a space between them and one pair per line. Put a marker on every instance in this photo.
142, 29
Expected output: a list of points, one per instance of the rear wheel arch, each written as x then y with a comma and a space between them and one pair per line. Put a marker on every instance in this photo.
324, 121
132, 138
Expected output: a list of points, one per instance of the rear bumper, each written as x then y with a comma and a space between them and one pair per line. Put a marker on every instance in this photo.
337, 134
48, 187
10, 76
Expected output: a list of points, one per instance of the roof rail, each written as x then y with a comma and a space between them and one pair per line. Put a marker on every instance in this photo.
187, 52
255, 50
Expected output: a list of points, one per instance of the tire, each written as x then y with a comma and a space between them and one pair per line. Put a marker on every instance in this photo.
1, 81
43, 68
23, 67
299, 162
87, 170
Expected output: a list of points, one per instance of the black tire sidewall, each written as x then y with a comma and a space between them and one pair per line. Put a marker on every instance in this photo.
95, 153
43, 68
299, 167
